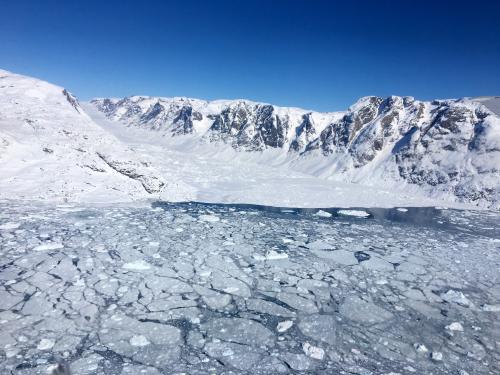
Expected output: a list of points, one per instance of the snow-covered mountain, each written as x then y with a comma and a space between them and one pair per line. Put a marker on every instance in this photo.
51, 149
449, 148
243, 124
380, 152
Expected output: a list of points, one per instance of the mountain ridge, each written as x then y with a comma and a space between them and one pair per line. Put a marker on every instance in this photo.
442, 145
53, 146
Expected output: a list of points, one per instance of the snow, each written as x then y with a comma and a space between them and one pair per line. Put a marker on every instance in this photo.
51, 151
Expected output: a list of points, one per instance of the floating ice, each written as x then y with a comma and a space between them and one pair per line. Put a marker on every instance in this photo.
274, 255
456, 297
356, 213
284, 325
402, 209
357, 309
346, 299
322, 213
437, 356
9, 226
138, 265
491, 308
209, 218
45, 344
313, 351
48, 246
455, 326
139, 340
421, 348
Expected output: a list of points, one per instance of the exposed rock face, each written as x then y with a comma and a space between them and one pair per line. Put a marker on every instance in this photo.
452, 150
250, 127
175, 114
449, 145
304, 133
151, 183
72, 100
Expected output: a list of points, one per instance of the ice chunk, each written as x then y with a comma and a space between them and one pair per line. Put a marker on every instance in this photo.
319, 245
138, 265
284, 325
242, 357
437, 356
84, 366
274, 255
319, 327
45, 344
218, 301
209, 218
139, 340
421, 348
344, 257
355, 213
402, 209
378, 264
9, 226
239, 330
456, 297
313, 351
322, 213
298, 362
48, 246
268, 307
230, 285
491, 308
455, 326
297, 302
356, 309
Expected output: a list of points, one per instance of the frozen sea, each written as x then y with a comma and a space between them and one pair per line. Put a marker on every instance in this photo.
192, 288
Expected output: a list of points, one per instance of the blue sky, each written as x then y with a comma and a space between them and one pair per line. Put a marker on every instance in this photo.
320, 55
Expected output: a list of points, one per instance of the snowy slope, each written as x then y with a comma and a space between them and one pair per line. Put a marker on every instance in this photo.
51, 149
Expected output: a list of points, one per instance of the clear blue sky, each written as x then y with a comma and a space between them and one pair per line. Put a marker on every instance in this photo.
320, 55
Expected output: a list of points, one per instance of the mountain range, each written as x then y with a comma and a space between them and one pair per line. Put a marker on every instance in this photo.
448, 146
54, 147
